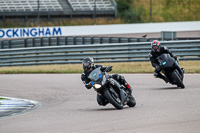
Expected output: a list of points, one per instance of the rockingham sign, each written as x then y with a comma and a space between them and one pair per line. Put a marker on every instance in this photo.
98, 29
30, 32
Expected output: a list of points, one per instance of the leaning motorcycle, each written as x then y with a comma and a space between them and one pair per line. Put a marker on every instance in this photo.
110, 89
171, 69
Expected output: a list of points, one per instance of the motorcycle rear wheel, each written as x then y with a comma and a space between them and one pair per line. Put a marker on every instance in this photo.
111, 99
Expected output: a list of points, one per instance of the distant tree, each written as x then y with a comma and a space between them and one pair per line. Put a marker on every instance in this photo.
123, 5
128, 12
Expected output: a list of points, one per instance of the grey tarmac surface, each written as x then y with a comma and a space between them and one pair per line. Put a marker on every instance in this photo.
68, 107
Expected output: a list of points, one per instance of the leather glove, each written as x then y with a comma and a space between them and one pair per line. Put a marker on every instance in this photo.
157, 68
89, 85
108, 69
175, 57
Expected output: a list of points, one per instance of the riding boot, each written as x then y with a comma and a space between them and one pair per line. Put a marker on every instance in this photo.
182, 69
159, 75
126, 84
128, 87
101, 101
122, 81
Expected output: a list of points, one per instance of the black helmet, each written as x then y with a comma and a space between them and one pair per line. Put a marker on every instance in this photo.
88, 63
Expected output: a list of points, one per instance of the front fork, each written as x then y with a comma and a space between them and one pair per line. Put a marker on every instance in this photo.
122, 95
179, 69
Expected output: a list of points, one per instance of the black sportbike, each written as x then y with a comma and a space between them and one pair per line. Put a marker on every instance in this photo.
110, 89
171, 70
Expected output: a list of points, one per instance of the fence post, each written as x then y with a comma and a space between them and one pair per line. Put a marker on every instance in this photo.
57, 41
33, 42
1, 43
74, 40
49, 41
9, 43
100, 40
25, 43
65, 40
41, 41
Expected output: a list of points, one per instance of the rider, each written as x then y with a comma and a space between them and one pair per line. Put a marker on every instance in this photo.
88, 66
156, 51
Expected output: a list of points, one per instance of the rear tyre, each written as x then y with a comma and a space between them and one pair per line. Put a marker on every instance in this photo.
177, 79
131, 102
115, 101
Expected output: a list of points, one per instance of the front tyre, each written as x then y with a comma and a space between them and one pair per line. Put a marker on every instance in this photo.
131, 102
177, 79
115, 101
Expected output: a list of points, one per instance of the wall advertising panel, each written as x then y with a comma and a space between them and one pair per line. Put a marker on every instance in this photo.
30, 32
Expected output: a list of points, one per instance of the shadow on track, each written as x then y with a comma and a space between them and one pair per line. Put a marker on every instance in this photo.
105, 109
168, 88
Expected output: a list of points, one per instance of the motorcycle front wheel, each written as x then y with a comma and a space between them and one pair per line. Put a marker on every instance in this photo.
177, 79
131, 102
115, 101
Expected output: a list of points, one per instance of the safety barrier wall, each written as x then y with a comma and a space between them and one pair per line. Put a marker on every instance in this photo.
114, 52
71, 40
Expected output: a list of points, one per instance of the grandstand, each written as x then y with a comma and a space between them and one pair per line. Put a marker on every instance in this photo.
56, 8
29, 5
90, 5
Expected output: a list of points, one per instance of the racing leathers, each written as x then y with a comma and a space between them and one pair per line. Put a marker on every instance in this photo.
153, 58
101, 101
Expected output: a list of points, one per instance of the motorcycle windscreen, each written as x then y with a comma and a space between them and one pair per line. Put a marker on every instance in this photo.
95, 74
166, 61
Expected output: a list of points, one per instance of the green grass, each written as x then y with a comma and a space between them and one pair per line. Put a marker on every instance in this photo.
169, 10
63, 22
2, 99
125, 67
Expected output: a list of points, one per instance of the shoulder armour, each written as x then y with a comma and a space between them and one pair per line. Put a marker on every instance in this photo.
96, 66
150, 55
83, 75
165, 48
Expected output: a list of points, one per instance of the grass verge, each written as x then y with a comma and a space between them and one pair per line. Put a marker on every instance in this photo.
125, 67
2, 99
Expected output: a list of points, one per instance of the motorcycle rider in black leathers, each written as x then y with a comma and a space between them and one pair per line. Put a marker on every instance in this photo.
156, 51
88, 66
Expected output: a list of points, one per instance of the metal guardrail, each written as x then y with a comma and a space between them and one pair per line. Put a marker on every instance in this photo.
116, 52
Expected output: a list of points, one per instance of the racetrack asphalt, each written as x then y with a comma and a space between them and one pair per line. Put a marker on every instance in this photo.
68, 107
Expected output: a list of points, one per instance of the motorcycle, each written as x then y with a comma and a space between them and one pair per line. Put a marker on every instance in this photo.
110, 89
171, 69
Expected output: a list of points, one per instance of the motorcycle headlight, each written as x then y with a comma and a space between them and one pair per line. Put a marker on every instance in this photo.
97, 86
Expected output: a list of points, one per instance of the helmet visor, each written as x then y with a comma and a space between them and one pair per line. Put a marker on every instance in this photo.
155, 47
86, 64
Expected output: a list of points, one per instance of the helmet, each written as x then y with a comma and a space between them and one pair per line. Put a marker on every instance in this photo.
88, 63
155, 45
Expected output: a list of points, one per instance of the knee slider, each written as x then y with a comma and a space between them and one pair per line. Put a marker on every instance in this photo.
121, 78
118, 77
155, 74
